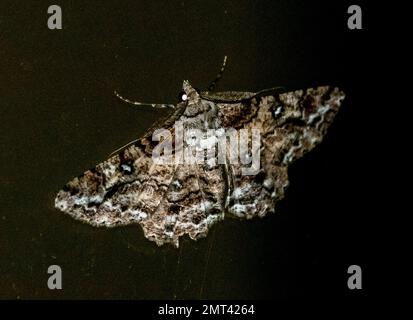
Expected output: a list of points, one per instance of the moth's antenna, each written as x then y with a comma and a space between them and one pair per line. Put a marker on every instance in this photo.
136, 103
219, 75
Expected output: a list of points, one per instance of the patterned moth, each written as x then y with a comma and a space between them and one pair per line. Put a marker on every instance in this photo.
170, 200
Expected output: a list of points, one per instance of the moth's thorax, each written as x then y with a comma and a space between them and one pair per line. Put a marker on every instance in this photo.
190, 91
200, 113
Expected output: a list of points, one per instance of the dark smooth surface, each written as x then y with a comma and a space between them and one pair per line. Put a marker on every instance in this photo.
59, 118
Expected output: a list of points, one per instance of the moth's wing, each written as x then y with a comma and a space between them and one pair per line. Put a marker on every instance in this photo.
125, 188
195, 200
117, 191
290, 125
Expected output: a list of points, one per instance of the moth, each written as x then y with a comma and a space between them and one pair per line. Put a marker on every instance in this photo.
170, 200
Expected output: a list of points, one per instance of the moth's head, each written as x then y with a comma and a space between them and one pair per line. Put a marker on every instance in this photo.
194, 105
189, 94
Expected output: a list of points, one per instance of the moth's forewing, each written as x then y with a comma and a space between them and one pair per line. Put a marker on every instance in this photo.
290, 124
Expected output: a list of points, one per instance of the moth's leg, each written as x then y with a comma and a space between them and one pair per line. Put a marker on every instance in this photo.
219, 75
136, 103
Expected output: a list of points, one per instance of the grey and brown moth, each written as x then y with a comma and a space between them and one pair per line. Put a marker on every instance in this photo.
170, 200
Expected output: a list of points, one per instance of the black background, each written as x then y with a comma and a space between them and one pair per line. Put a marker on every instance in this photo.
59, 117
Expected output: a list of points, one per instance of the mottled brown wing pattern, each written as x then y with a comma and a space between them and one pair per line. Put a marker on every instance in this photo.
192, 204
291, 124
126, 188
122, 189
